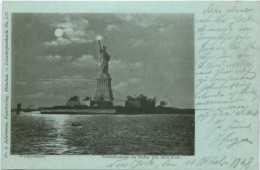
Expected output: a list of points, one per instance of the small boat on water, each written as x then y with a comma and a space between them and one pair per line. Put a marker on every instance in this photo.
76, 124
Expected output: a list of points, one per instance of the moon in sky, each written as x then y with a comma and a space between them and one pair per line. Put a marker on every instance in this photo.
58, 32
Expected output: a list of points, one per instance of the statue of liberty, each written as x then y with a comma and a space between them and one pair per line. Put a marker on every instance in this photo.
103, 95
104, 57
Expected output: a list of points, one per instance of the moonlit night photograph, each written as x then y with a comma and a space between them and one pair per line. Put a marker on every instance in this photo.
102, 83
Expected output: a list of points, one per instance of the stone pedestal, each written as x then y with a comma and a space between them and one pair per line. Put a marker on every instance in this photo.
103, 91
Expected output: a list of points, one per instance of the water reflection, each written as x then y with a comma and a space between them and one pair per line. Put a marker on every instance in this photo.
33, 133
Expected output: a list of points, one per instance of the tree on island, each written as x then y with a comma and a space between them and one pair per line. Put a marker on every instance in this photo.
73, 101
162, 104
141, 98
74, 98
87, 98
130, 98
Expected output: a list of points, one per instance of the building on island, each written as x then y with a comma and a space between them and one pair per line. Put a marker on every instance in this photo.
139, 104
72, 103
140, 101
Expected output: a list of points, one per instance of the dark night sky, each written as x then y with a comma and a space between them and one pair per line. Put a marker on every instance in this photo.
152, 54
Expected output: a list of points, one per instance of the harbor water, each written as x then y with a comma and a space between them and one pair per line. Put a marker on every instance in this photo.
149, 134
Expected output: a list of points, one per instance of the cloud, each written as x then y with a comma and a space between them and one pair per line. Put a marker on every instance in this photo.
68, 58
58, 41
85, 61
143, 21
72, 22
75, 30
134, 80
64, 80
116, 64
55, 58
42, 95
74, 27
67, 41
85, 58
120, 86
50, 58
36, 95
20, 83
137, 42
137, 65
120, 65
169, 29
112, 27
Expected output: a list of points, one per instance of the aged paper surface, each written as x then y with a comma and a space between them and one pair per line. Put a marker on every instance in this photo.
217, 43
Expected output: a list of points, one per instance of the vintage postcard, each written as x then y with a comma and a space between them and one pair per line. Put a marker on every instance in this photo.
130, 85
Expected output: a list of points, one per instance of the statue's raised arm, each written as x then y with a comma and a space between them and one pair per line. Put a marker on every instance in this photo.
99, 46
